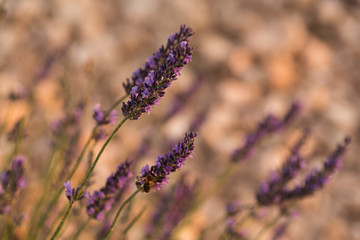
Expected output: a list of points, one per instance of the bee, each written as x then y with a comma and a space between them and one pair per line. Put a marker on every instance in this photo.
149, 179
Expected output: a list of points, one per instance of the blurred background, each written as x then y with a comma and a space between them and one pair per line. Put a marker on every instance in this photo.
250, 58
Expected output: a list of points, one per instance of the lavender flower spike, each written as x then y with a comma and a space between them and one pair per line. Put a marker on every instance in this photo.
156, 176
145, 94
11, 182
102, 200
318, 178
269, 125
153, 63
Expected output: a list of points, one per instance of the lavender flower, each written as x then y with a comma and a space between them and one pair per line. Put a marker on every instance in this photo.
156, 176
268, 125
271, 191
181, 99
102, 118
103, 200
74, 195
155, 61
11, 182
171, 209
275, 190
318, 178
170, 60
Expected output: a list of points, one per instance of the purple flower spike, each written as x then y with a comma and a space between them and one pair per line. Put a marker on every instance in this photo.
101, 118
103, 200
156, 176
171, 208
149, 86
316, 179
270, 192
12, 181
269, 125
175, 41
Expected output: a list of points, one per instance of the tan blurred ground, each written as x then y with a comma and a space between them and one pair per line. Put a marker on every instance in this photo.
254, 57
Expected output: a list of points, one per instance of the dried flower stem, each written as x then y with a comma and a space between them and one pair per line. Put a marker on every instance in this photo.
127, 201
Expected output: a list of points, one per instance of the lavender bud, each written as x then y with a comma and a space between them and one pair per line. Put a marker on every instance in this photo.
156, 176
74, 195
101, 118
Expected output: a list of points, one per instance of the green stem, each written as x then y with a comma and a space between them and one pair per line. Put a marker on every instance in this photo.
78, 160
268, 226
131, 224
101, 151
81, 229
118, 213
58, 229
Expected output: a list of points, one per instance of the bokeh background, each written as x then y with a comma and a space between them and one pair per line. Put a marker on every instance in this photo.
250, 58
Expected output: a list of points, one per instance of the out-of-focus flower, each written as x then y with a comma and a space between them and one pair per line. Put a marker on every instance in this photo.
316, 179
171, 209
12, 181
156, 176
102, 200
101, 118
275, 191
268, 125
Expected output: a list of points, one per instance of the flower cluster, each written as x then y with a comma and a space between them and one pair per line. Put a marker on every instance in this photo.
275, 191
160, 70
74, 195
158, 58
317, 178
156, 176
268, 125
102, 200
11, 182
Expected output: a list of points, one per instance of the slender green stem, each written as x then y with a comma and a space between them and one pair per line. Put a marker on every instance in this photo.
246, 216
269, 225
131, 224
82, 227
101, 151
77, 163
58, 229
118, 213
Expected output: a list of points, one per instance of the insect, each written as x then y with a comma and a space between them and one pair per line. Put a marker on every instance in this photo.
149, 179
